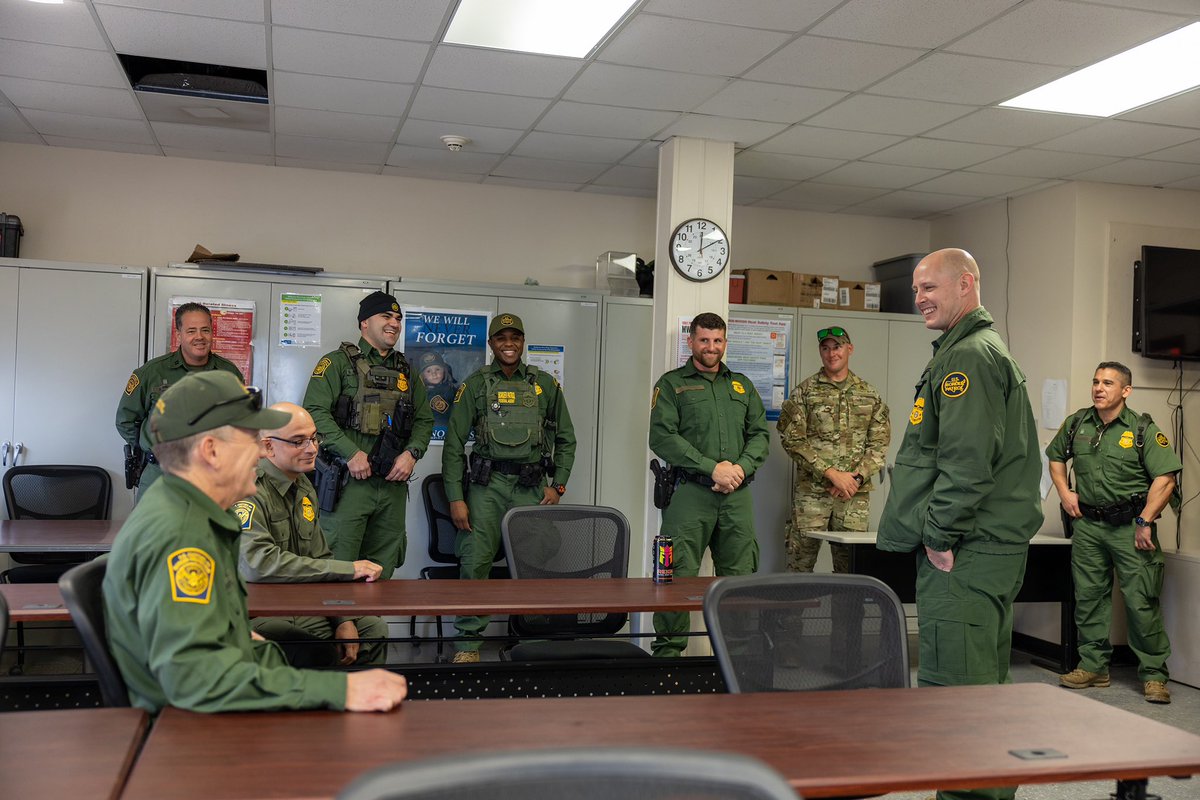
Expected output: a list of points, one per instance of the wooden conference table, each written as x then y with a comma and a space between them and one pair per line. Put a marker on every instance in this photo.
58, 535
946, 737
73, 753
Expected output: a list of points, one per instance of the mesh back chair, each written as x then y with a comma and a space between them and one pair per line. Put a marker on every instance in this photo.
83, 595
51, 491
568, 541
442, 536
605, 773
804, 632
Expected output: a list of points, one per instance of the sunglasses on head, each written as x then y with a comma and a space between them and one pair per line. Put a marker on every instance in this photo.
253, 396
825, 333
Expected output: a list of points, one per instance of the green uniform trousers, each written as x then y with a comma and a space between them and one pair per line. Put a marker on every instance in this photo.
150, 474
306, 640
1097, 549
368, 523
820, 511
965, 619
477, 548
697, 519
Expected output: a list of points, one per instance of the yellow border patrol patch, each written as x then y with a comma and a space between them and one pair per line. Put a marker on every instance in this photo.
654, 400
459, 393
402, 382
133, 383
245, 513
322, 365
537, 388
160, 405
1126, 440
438, 404
955, 384
306, 509
192, 572
737, 387
917, 415
1161, 438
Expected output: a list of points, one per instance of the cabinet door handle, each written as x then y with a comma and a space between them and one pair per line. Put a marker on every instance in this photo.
4, 453
17, 448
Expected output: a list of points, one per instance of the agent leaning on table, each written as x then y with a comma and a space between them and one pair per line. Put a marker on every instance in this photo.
174, 604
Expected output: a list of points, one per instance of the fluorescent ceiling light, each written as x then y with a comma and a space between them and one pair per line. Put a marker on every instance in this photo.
1149, 72
552, 27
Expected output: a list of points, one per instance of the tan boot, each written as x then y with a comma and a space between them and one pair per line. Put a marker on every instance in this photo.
1081, 679
1156, 692
466, 657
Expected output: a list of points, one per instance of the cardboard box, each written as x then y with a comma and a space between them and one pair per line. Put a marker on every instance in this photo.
814, 291
768, 287
737, 288
859, 296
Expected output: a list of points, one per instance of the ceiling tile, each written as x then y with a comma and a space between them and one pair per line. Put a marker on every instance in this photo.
770, 14
210, 139
441, 160
644, 156
630, 177
78, 126
1041, 163
16, 136
884, 176
1118, 138
966, 79
209, 155
241, 10
328, 166
778, 165
741, 132
914, 204
1182, 110
322, 149
476, 108
686, 46
96, 144
433, 175
620, 123
976, 185
1010, 126
746, 188
185, 37
927, 24
798, 205
825, 143
823, 193
1067, 33
68, 24
566, 147
1141, 172
68, 98
1191, 184
832, 63
423, 133
770, 102
533, 183
340, 94
499, 71
888, 115
1188, 153
541, 169
937, 154
414, 20
343, 56
11, 125
335, 125
616, 85
160, 107
1166, 6
61, 64
623, 191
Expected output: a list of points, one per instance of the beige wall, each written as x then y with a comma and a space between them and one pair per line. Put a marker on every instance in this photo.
84, 205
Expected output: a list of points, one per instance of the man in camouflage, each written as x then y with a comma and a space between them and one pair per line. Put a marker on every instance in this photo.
836, 428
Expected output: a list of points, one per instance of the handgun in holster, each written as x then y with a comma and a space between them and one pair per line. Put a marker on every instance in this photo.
330, 476
135, 462
666, 478
479, 470
391, 441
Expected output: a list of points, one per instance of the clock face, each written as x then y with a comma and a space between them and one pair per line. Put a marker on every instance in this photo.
699, 249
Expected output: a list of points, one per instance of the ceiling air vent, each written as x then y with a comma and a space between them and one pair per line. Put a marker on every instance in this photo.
193, 79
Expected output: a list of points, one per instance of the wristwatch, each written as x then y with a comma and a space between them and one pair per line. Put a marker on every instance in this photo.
561, 488
1141, 522
415, 453
857, 478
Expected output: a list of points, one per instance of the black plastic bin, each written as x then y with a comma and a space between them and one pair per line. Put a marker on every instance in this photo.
10, 235
895, 283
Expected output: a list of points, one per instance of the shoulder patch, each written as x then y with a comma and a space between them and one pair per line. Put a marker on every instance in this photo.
132, 384
458, 395
192, 572
955, 384
654, 399
245, 513
1161, 438
737, 387
322, 365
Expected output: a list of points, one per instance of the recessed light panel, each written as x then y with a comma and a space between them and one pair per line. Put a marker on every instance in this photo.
550, 27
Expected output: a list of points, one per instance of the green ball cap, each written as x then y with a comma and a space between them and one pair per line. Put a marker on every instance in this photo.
502, 321
203, 401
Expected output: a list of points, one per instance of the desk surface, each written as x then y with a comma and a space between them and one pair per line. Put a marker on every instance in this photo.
918, 739
868, 537
73, 753
34, 602
58, 535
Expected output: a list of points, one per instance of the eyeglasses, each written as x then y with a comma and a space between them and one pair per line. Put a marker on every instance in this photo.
253, 396
825, 333
315, 440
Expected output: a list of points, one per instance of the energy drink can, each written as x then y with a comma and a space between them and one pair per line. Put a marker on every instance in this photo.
664, 561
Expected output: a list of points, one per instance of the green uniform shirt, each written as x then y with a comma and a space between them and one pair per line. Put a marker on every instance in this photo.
824, 425
146, 385
335, 376
175, 608
470, 404
698, 419
1107, 466
968, 470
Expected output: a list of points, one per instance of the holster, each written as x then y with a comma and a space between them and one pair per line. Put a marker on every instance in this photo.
665, 480
1117, 514
330, 475
135, 462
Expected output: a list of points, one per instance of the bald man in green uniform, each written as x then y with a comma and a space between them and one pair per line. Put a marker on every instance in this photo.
965, 490
361, 396
147, 383
710, 422
174, 604
282, 542
523, 454
1123, 486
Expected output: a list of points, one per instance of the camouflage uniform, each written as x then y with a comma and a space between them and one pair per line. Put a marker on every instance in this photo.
825, 424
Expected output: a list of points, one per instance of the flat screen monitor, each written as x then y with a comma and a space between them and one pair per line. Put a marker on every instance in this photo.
1166, 304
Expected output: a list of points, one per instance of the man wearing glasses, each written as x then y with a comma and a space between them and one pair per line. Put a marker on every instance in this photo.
282, 542
835, 427
174, 604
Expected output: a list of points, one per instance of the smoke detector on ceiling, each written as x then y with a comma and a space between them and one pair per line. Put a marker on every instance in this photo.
455, 143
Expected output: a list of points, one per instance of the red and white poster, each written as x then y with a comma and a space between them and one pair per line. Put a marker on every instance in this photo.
233, 329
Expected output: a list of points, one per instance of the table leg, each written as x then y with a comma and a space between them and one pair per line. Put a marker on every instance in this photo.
1134, 790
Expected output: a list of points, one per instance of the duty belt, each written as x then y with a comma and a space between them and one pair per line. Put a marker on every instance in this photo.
704, 480
514, 467
1121, 513
150, 459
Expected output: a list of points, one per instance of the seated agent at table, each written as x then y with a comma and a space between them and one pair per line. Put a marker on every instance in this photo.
282, 542
174, 604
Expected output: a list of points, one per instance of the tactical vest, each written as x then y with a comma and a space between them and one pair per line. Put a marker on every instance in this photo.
1139, 441
383, 394
509, 419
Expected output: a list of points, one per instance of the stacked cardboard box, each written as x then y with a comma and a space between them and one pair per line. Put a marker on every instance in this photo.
768, 287
805, 290
814, 291
859, 296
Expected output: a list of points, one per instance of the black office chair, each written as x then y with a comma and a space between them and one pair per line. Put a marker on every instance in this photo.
807, 632
442, 535
3, 623
51, 491
567, 541
599, 773
83, 595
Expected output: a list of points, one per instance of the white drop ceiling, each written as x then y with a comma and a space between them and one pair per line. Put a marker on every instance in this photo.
877, 107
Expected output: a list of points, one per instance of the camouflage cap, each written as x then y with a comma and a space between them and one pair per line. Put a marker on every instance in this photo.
203, 401
502, 321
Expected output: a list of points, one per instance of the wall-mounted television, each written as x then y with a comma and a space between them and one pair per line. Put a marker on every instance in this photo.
1166, 303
